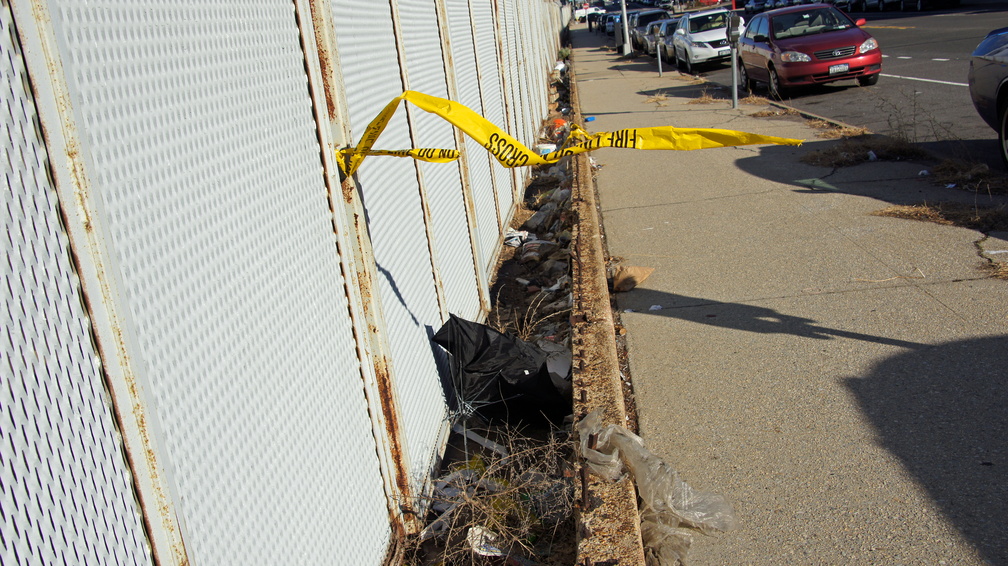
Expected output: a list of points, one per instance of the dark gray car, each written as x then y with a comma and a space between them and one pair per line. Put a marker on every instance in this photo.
988, 84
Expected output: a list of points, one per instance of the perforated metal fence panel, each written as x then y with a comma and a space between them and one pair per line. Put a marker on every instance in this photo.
66, 489
202, 255
196, 123
467, 78
490, 83
425, 68
391, 195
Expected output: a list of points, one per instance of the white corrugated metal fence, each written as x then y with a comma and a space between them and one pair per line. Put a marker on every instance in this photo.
217, 349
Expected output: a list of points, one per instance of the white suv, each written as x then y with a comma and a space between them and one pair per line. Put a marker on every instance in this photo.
701, 37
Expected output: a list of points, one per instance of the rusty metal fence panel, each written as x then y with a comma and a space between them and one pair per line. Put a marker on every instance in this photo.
67, 494
467, 78
371, 64
188, 232
426, 72
490, 82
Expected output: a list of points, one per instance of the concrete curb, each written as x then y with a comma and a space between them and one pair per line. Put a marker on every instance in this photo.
608, 523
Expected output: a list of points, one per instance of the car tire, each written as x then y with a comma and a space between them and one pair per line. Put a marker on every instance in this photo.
1003, 133
868, 80
744, 81
776, 90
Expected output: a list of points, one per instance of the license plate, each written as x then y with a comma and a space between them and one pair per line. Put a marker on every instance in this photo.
724, 53
841, 68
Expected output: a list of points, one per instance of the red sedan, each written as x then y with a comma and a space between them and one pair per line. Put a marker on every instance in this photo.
807, 44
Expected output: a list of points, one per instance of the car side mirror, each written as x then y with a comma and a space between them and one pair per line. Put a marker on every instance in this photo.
680, 31
760, 38
860, 22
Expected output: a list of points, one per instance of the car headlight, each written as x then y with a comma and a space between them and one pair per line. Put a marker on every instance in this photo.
697, 44
794, 57
868, 45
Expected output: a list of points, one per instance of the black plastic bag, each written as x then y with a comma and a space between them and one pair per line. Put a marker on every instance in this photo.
499, 377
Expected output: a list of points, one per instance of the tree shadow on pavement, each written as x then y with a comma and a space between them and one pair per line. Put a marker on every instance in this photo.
738, 316
943, 411
782, 164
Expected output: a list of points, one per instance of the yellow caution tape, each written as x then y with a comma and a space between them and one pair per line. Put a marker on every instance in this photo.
511, 153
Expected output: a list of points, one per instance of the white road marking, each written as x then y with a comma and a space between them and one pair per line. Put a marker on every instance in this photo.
904, 57
924, 80
941, 60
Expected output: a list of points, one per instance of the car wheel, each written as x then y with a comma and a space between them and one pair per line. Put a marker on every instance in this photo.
1003, 133
744, 81
868, 81
776, 90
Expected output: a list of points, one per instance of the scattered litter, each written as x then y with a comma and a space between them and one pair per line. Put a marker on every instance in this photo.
481, 540
872, 156
629, 310
535, 250
668, 503
589, 118
542, 218
627, 277
560, 66
544, 148
484, 442
655, 308
923, 173
515, 238
950, 186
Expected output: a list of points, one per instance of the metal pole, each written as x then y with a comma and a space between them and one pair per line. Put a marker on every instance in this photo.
626, 30
657, 48
734, 75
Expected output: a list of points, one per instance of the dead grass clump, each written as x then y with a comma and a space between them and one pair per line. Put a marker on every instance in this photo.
984, 219
660, 99
976, 177
997, 270
705, 98
754, 100
831, 131
526, 325
509, 503
859, 149
775, 112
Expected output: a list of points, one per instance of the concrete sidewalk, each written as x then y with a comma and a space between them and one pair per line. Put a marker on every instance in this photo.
841, 377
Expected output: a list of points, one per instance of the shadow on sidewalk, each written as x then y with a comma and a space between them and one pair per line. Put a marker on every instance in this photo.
943, 411
781, 165
738, 316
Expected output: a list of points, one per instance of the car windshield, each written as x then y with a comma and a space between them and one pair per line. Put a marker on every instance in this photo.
708, 22
808, 22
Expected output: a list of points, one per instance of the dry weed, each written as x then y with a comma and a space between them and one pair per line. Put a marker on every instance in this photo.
525, 324
754, 100
984, 219
660, 99
859, 149
831, 131
976, 177
705, 98
519, 503
775, 112
997, 270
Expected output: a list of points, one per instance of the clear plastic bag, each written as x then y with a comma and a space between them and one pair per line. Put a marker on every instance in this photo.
667, 502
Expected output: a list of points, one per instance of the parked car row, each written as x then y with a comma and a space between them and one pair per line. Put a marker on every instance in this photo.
756, 6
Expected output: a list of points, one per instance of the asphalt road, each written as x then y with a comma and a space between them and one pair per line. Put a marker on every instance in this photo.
923, 93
